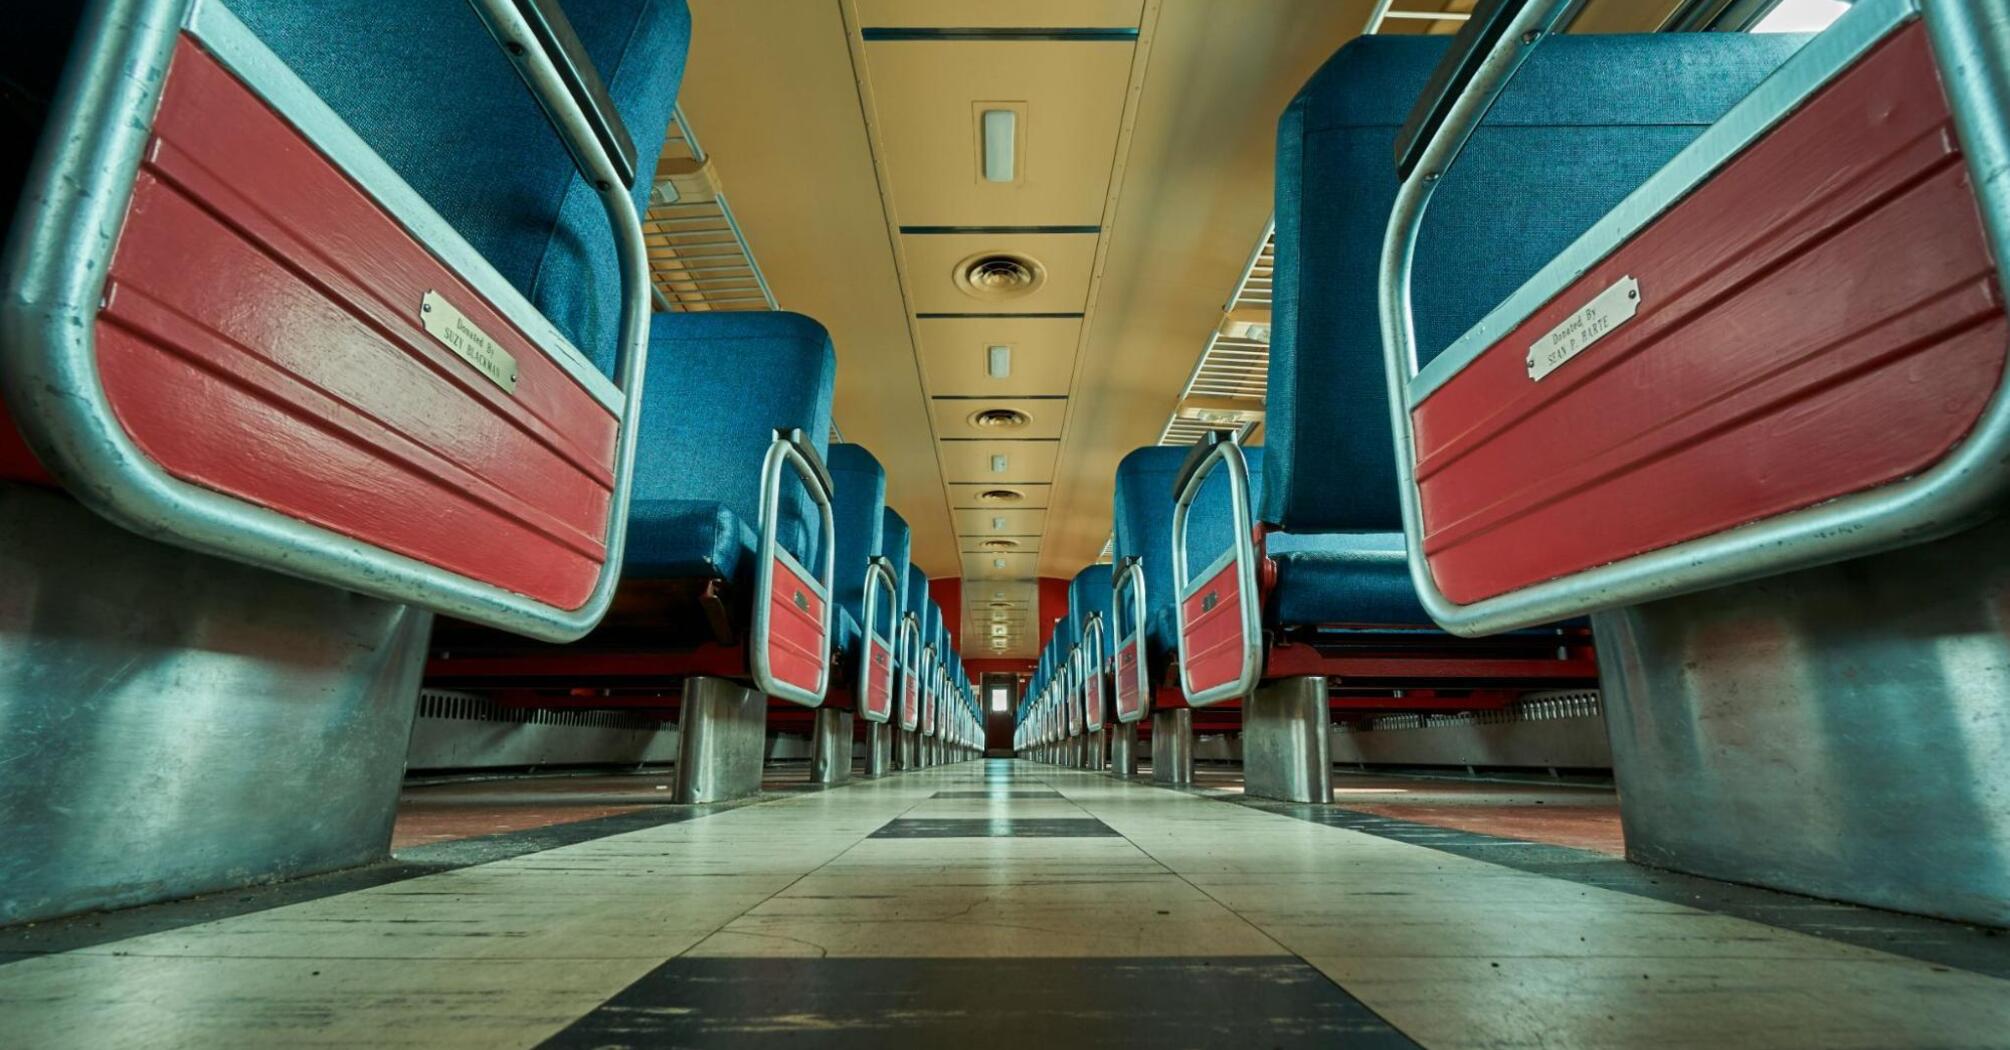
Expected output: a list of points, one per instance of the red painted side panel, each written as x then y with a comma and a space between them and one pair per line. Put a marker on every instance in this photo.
929, 702
910, 700
1820, 318
877, 690
1092, 703
1130, 681
797, 644
261, 336
1211, 651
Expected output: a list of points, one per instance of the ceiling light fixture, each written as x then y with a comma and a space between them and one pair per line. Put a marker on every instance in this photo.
997, 563
998, 464
997, 523
998, 362
1001, 130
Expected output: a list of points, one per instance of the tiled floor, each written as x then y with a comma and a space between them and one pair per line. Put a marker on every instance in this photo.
996, 904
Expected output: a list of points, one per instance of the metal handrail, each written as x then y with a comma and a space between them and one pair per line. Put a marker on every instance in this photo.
1215, 450
879, 576
791, 449
1131, 570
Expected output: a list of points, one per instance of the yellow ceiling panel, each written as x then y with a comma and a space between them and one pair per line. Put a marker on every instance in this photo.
1061, 261
1185, 221
929, 96
1031, 497
773, 90
1031, 461
964, 417
1007, 602
984, 566
1019, 14
981, 523
1040, 356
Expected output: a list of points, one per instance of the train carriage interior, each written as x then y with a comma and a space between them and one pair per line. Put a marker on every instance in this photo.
917, 523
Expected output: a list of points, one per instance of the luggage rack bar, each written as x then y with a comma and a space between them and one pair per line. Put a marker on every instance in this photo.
728, 279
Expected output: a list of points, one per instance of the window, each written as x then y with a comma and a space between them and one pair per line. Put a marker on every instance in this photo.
1801, 16
998, 699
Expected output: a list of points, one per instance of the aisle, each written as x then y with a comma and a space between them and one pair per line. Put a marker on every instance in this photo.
992, 904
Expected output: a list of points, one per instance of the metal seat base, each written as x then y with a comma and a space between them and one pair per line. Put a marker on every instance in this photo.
1287, 749
1836, 732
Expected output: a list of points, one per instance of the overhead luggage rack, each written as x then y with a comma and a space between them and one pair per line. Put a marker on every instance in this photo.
1227, 384
699, 258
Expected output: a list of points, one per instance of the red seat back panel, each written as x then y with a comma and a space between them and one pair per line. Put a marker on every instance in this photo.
797, 645
261, 336
1211, 650
1820, 318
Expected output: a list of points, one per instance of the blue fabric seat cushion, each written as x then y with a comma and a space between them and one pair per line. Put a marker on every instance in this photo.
475, 144
848, 638
1587, 120
1162, 632
1342, 578
719, 385
679, 539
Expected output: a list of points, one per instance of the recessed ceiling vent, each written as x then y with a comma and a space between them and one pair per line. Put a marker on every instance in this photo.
995, 276
995, 496
999, 419
1000, 545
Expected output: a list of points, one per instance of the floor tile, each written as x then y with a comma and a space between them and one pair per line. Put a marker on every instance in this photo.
994, 827
896, 1003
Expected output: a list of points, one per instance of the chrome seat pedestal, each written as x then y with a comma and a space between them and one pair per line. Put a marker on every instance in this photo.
1838, 732
1172, 746
1287, 749
722, 741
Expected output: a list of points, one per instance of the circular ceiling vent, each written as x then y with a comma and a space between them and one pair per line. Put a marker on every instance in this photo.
1000, 545
995, 276
999, 419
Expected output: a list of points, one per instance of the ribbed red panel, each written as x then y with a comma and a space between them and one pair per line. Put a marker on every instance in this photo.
261, 336
878, 689
1821, 318
1130, 681
910, 700
928, 706
797, 647
1092, 703
1211, 651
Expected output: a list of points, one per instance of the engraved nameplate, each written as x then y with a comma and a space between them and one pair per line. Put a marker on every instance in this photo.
466, 339
1594, 321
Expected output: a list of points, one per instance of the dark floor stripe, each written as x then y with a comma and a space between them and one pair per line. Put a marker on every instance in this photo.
1954, 945
994, 828
1237, 1003
1001, 793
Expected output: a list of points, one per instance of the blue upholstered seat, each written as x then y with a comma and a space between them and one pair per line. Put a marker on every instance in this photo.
859, 511
1089, 593
682, 539
719, 385
914, 600
1143, 512
895, 544
1587, 120
846, 635
382, 67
